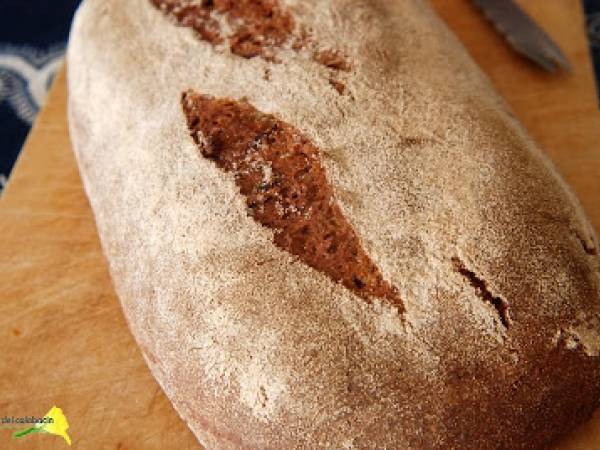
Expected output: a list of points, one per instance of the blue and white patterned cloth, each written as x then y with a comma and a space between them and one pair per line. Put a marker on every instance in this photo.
33, 36
592, 12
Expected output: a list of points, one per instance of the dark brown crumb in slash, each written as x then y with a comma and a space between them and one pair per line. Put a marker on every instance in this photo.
264, 25
332, 59
279, 172
195, 16
338, 86
258, 26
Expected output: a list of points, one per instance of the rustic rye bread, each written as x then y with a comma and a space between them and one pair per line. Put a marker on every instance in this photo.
326, 229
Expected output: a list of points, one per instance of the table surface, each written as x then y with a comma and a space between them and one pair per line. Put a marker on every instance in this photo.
66, 342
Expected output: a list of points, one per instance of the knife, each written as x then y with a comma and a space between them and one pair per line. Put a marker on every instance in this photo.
523, 34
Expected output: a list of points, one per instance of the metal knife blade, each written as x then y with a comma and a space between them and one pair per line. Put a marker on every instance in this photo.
523, 34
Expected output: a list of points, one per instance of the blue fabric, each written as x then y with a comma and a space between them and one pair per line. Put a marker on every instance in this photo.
33, 36
592, 12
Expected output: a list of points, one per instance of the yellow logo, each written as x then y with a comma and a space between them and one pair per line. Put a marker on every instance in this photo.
54, 422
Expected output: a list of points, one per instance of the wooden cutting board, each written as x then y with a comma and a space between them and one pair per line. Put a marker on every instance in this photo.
64, 339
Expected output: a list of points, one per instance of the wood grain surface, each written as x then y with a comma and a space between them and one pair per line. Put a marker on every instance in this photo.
64, 339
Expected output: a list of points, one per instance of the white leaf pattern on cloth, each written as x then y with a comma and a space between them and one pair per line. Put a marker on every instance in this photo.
25, 77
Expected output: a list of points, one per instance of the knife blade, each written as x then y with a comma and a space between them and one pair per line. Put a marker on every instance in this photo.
523, 34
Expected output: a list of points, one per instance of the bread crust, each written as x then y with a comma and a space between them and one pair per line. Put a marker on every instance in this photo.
451, 199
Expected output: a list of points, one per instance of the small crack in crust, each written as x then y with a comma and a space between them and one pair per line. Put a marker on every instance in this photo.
588, 245
339, 86
499, 304
278, 171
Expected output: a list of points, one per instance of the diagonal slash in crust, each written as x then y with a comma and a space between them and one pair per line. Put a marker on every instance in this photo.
278, 171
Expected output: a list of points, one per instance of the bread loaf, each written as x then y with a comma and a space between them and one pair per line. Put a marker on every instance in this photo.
326, 229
